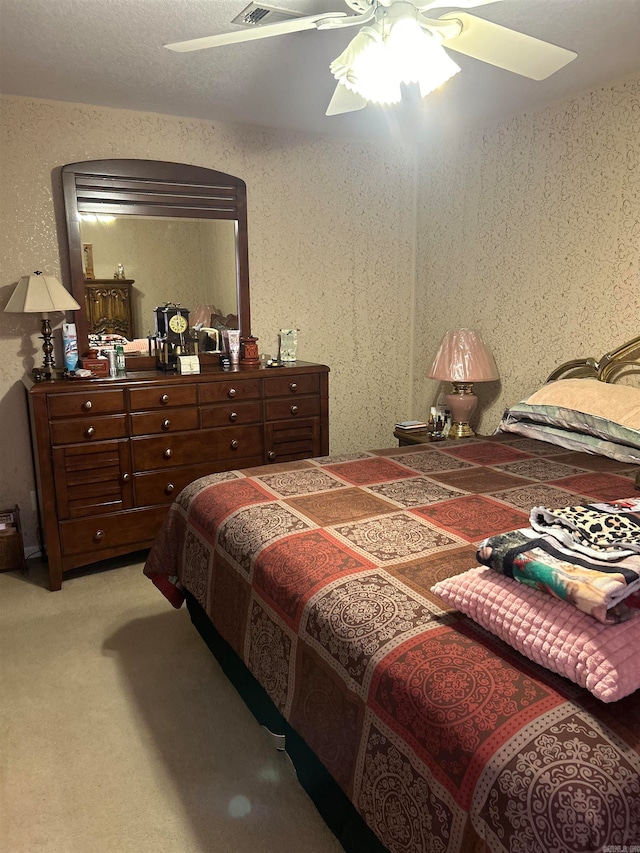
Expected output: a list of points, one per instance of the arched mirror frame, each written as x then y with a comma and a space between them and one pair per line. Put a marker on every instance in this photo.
152, 188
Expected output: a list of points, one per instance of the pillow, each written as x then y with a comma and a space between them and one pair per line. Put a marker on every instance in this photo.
572, 440
616, 403
565, 411
554, 634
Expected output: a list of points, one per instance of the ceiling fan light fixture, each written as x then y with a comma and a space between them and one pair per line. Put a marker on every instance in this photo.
364, 68
436, 66
385, 55
418, 56
398, 45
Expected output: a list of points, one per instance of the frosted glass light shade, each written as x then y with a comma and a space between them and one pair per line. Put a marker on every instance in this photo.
380, 58
463, 357
417, 56
363, 67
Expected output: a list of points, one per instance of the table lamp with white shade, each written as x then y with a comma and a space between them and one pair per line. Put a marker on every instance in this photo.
40, 293
463, 358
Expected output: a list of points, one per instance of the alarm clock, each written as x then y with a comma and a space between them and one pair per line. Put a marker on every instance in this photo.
172, 324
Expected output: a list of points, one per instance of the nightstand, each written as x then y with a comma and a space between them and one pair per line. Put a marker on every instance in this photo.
422, 437
406, 437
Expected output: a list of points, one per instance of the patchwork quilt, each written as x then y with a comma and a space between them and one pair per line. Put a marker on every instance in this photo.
317, 573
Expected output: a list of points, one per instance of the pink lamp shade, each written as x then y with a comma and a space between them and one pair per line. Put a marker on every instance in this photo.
463, 359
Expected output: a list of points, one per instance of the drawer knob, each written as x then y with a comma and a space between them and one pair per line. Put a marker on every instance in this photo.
293, 387
271, 455
231, 392
234, 444
126, 478
89, 432
164, 399
166, 423
169, 488
98, 536
167, 454
233, 416
294, 410
87, 405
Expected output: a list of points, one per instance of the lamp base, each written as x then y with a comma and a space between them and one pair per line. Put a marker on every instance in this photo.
462, 404
47, 345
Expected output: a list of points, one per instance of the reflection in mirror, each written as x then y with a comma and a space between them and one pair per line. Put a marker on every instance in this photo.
173, 233
188, 261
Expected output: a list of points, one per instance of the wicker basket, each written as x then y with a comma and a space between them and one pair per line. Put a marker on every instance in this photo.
11, 549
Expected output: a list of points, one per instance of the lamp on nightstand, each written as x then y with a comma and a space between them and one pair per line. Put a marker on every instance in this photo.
39, 293
463, 358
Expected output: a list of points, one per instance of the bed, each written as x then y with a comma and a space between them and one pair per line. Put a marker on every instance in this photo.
343, 597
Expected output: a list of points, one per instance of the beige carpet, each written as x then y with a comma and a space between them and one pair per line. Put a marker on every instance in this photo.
119, 732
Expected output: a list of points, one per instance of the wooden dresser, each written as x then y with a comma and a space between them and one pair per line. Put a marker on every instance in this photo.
109, 306
111, 454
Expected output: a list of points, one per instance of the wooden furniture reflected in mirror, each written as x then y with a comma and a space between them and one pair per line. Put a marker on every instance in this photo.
169, 196
108, 303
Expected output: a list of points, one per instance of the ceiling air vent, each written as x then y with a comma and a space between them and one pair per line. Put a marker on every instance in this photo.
255, 14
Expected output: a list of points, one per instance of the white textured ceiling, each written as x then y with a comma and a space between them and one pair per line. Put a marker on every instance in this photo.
109, 52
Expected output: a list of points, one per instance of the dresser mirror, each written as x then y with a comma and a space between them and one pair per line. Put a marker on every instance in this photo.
174, 232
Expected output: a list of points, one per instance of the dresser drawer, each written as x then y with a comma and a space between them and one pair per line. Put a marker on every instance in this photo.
111, 455
224, 443
88, 429
92, 479
301, 407
143, 423
284, 386
231, 413
288, 440
163, 486
231, 389
163, 396
93, 535
87, 403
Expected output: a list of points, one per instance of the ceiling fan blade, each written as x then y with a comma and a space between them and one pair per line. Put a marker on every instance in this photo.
506, 48
457, 4
345, 101
295, 25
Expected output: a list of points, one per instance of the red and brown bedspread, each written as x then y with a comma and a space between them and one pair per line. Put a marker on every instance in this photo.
317, 573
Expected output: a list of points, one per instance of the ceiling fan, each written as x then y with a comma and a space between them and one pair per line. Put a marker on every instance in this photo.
398, 44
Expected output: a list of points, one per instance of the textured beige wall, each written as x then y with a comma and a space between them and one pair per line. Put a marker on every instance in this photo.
530, 232
218, 244
330, 244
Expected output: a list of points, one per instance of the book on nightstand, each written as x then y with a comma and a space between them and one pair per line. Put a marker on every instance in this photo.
411, 425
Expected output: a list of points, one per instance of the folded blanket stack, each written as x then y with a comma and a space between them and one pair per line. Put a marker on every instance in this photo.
586, 555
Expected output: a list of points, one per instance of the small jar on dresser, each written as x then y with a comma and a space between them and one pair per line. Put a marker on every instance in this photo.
111, 454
